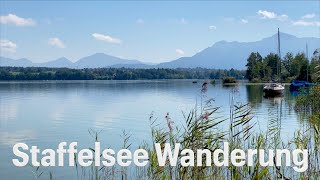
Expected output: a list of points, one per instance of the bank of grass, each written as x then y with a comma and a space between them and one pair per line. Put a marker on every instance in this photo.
229, 80
202, 130
308, 101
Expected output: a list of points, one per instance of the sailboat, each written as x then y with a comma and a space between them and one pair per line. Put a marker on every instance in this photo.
296, 85
275, 88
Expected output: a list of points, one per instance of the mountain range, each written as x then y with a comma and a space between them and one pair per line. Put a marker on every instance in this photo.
221, 55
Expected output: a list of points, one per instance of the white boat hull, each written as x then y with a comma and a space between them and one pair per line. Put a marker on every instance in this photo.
273, 89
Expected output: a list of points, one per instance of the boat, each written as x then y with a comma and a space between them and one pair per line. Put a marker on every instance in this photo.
296, 85
275, 88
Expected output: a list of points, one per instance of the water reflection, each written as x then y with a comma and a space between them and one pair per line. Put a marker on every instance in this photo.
13, 137
275, 100
8, 111
295, 93
231, 85
254, 94
56, 111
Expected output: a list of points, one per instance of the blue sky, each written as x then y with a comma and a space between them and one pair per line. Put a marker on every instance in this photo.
147, 31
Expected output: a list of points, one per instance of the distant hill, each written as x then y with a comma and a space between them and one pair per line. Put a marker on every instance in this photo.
18, 63
98, 60
61, 62
221, 55
102, 60
226, 55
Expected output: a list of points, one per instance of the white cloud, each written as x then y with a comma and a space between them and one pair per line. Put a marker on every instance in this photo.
183, 21
180, 51
8, 46
244, 21
308, 16
282, 17
306, 23
16, 20
267, 14
272, 15
106, 38
212, 27
140, 21
56, 42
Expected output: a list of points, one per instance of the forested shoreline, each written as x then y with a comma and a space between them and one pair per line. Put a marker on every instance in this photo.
258, 69
43, 73
291, 67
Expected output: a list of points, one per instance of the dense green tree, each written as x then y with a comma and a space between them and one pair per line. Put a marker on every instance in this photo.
254, 66
301, 67
290, 68
315, 70
287, 63
273, 61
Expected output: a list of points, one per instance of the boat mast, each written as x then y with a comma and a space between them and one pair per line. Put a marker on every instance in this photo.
279, 56
307, 61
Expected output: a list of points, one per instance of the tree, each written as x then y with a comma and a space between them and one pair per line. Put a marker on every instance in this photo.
272, 60
254, 66
301, 67
287, 63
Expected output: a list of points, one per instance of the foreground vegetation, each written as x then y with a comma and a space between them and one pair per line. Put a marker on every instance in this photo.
41, 73
308, 101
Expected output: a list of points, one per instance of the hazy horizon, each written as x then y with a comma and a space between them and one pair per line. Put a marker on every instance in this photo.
152, 32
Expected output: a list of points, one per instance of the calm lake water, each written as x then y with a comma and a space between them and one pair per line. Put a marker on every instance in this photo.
47, 113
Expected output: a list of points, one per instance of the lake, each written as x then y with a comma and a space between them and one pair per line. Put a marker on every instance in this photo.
49, 112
